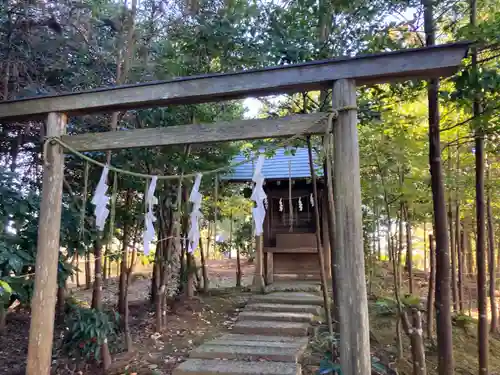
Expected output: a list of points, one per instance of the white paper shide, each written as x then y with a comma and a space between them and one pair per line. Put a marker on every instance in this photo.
194, 230
101, 200
258, 196
149, 218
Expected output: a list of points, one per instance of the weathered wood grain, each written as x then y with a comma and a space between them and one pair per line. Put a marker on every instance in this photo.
353, 303
425, 62
314, 123
269, 268
44, 297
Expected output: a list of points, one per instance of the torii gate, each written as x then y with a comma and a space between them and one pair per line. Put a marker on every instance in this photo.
343, 74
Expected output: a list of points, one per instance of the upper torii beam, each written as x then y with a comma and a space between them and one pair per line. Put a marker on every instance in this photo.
422, 63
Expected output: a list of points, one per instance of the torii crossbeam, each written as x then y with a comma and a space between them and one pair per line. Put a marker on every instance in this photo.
343, 74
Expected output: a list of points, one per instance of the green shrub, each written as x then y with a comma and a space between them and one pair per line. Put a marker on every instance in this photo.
385, 307
86, 331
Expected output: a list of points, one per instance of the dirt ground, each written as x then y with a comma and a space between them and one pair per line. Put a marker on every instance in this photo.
192, 322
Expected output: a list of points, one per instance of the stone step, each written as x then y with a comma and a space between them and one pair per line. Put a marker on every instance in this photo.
271, 328
276, 316
294, 286
281, 307
220, 367
291, 298
299, 341
271, 344
248, 353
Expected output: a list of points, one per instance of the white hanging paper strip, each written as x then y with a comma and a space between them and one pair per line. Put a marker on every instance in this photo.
194, 230
258, 196
311, 199
100, 200
281, 204
149, 218
300, 204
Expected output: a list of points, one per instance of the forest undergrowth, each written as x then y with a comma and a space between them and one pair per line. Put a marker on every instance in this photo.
383, 321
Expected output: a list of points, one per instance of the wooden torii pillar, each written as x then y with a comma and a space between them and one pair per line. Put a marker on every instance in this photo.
353, 302
47, 256
344, 73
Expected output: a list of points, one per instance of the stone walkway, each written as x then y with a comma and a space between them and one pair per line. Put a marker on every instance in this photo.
269, 338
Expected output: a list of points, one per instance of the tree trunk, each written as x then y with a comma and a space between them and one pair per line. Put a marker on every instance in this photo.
88, 271
97, 297
130, 270
400, 244
204, 268
444, 329
430, 294
458, 241
77, 273
417, 344
3, 318
491, 263
379, 250
106, 270
480, 222
409, 251
191, 271
452, 240
425, 246
154, 288
238, 267
97, 291
460, 257
469, 271
123, 265
158, 297
498, 256
397, 291
61, 300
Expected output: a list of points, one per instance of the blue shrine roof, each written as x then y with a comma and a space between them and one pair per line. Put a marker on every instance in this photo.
277, 167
